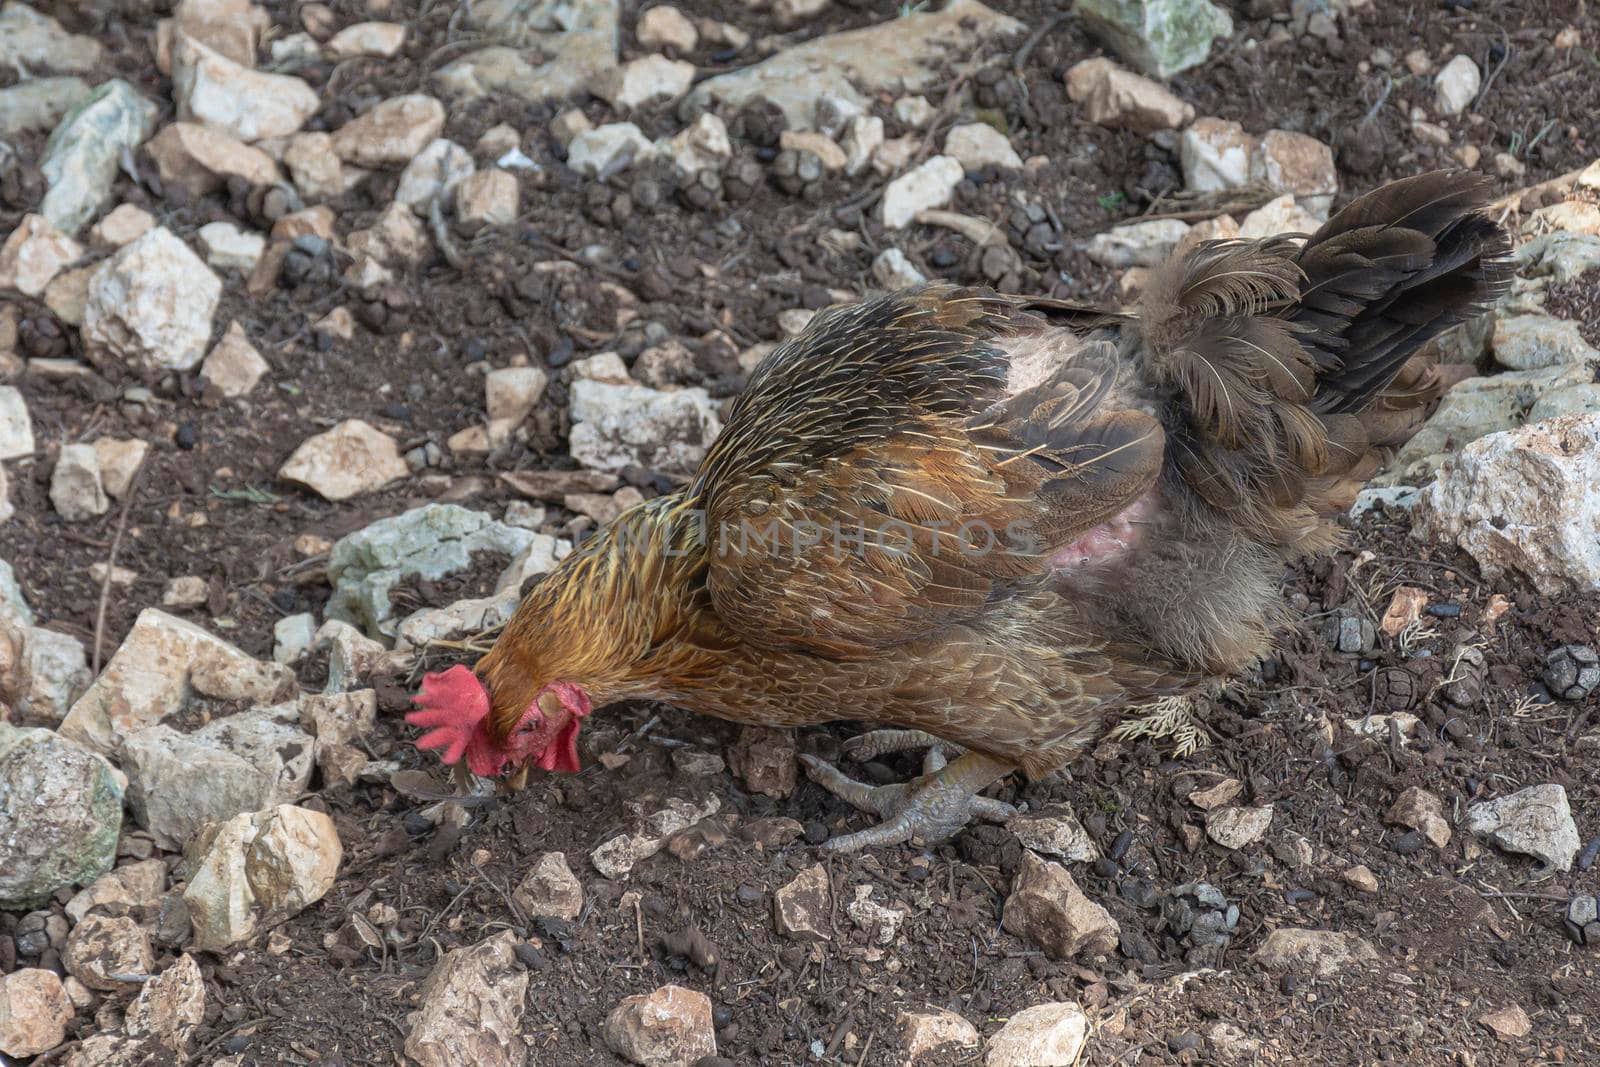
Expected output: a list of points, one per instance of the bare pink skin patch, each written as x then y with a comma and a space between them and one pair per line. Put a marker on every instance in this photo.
1108, 542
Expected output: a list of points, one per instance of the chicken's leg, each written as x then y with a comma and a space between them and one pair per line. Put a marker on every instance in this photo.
933, 807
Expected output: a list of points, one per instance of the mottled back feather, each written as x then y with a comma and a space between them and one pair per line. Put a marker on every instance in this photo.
876, 483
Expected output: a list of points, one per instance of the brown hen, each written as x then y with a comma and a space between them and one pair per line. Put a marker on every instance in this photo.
998, 522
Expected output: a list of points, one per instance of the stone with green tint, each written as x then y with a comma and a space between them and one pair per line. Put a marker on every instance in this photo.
430, 542
1159, 37
81, 158
60, 816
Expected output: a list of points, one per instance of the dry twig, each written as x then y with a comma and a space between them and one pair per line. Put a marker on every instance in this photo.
111, 564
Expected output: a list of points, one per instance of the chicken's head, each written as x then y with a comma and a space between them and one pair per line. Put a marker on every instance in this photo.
459, 714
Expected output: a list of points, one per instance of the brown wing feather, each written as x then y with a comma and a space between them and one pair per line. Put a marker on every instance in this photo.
882, 495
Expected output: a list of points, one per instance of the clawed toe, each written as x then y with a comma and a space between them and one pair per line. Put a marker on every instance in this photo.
933, 807
874, 743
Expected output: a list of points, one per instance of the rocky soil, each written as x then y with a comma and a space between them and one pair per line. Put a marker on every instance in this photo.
326, 328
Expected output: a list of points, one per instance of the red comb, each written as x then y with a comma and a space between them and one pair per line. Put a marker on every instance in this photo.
452, 706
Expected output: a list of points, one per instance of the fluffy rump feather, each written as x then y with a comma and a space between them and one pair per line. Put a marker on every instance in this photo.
1286, 366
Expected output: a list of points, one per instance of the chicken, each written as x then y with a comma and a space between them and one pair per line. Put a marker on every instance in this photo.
998, 522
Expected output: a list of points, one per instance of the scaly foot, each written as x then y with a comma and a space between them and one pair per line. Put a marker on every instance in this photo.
875, 743
933, 807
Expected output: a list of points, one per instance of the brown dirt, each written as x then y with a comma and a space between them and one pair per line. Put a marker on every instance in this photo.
1462, 932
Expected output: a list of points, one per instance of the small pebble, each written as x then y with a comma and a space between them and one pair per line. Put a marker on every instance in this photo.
1185, 1042
1408, 843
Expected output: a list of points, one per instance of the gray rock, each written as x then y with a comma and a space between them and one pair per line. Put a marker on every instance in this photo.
60, 816
179, 782
1583, 919
1392, 497
550, 890
608, 149
161, 663
471, 1008
433, 172
107, 953
616, 857
12, 601
339, 718
1159, 37
1476, 408
902, 55
666, 1028
1138, 244
1525, 500
35, 45
351, 655
1456, 84
1055, 834
150, 306
80, 159
429, 542
59, 665
1529, 342
1572, 400
800, 909
16, 426
557, 46
1324, 953
1572, 672
1046, 908
929, 185
1535, 821
292, 637
650, 79
893, 270
76, 491
616, 426
244, 103
1045, 1035
39, 104
256, 870
1561, 256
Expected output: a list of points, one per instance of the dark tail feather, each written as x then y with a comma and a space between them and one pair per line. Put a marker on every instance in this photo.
1390, 272
1292, 367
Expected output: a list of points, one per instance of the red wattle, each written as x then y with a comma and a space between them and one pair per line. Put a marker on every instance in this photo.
561, 754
